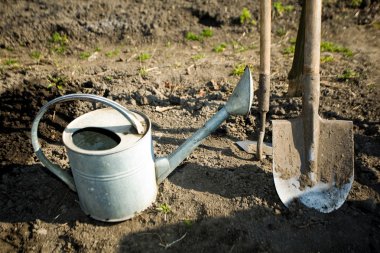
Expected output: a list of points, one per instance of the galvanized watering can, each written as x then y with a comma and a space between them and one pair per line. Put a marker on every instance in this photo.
111, 154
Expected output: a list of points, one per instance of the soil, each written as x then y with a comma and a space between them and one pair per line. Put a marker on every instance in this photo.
221, 198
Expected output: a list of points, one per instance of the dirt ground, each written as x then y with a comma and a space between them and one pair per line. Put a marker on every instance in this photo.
221, 199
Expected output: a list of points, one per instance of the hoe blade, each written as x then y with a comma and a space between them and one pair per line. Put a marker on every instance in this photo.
327, 188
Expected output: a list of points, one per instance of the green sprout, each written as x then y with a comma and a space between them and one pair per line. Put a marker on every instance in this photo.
165, 209
289, 50
198, 56
112, 53
237, 46
36, 55
59, 42
327, 58
280, 32
334, 48
280, 8
220, 48
187, 222
238, 69
144, 56
208, 32
348, 74
84, 55
143, 72
57, 82
108, 78
10, 62
192, 36
356, 3
245, 16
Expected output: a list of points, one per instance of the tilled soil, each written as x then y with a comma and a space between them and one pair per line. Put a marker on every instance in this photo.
220, 198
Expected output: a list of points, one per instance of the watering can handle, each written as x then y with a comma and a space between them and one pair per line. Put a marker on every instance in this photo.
54, 168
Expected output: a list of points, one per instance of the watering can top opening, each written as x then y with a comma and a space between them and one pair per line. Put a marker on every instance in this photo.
103, 131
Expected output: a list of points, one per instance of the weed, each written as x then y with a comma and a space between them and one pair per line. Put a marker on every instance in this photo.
57, 82
59, 42
84, 55
348, 74
10, 62
36, 55
327, 58
143, 72
187, 223
112, 53
165, 209
356, 3
280, 32
220, 48
290, 49
280, 8
245, 16
198, 56
143, 57
334, 48
97, 49
238, 69
208, 32
108, 78
292, 41
237, 46
192, 36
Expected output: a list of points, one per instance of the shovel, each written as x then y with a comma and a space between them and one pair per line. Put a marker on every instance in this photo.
259, 148
313, 157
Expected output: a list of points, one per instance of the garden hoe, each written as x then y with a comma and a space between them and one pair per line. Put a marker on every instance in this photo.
312, 157
260, 147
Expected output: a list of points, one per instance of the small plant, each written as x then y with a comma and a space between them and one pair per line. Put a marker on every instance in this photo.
348, 74
280, 8
36, 55
238, 69
198, 56
165, 209
10, 62
57, 82
245, 16
289, 50
280, 32
112, 53
237, 46
108, 78
143, 57
84, 55
59, 42
208, 32
220, 48
143, 72
327, 58
192, 36
188, 223
356, 3
334, 48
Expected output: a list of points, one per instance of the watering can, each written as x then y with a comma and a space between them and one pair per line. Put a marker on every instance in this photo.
110, 152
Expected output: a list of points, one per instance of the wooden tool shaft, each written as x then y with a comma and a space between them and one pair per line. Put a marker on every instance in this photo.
311, 83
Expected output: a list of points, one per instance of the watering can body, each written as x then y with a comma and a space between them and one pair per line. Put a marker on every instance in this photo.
119, 181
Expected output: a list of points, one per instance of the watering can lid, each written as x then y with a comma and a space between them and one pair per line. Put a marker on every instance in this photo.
109, 119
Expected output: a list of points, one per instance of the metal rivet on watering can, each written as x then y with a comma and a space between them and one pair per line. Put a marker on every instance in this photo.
111, 153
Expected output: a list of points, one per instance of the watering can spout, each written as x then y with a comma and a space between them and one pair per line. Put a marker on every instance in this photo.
239, 103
